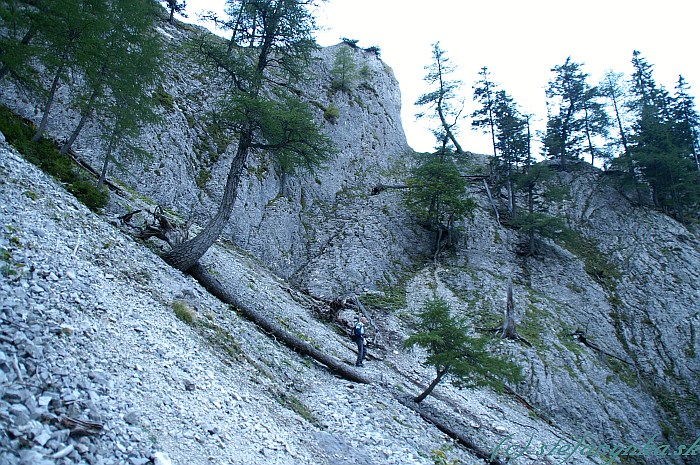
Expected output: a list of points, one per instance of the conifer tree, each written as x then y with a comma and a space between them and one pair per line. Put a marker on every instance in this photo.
440, 101
498, 116
661, 158
175, 6
569, 100
66, 30
612, 88
269, 51
513, 142
437, 196
596, 123
16, 35
344, 70
686, 121
123, 67
455, 354
485, 95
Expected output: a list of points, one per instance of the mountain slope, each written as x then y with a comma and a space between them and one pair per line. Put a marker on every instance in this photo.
612, 327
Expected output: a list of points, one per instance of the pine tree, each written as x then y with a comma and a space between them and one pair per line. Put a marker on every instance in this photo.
175, 6
455, 354
344, 70
437, 196
484, 117
66, 31
269, 51
612, 88
567, 95
686, 121
660, 156
17, 32
596, 123
125, 59
513, 143
440, 101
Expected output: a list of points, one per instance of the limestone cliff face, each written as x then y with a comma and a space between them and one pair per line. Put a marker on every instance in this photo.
321, 229
635, 376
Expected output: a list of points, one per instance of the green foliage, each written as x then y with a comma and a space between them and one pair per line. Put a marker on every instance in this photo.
331, 113
439, 102
344, 70
203, 178
293, 403
439, 457
95, 198
663, 143
46, 156
437, 194
183, 312
539, 223
286, 129
365, 72
279, 122
163, 98
576, 116
374, 49
452, 352
595, 261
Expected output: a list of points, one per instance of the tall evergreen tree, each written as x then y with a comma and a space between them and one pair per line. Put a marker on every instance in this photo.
19, 28
686, 121
344, 70
657, 153
437, 196
453, 353
499, 117
567, 93
175, 6
440, 101
66, 32
485, 95
513, 142
272, 49
613, 89
124, 59
596, 124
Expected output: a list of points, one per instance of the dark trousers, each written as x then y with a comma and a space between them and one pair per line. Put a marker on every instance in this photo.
360, 351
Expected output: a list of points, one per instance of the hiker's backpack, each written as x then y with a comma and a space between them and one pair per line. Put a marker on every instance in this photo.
357, 332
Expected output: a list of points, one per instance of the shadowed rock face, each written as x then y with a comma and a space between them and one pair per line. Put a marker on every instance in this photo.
636, 375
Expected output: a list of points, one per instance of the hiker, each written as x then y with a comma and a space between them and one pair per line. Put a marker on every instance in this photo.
358, 335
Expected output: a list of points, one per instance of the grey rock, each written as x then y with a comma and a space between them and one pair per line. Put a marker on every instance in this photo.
132, 417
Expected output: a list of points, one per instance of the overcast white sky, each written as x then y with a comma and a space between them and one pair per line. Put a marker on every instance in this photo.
518, 40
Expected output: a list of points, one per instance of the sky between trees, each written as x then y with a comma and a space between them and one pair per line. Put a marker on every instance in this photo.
520, 42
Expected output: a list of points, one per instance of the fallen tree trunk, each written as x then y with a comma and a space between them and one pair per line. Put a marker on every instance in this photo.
443, 426
217, 289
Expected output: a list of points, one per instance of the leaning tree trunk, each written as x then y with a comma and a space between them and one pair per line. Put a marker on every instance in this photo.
86, 114
47, 107
185, 255
215, 287
426, 393
108, 156
508, 331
